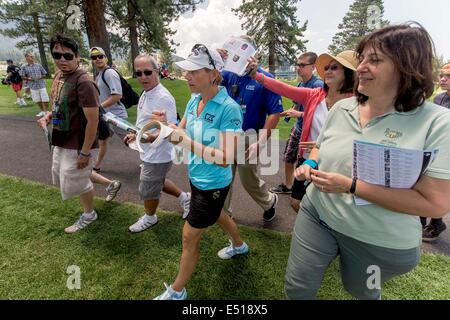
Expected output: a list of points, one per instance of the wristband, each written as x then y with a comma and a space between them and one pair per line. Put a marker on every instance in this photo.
312, 163
353, 187
262, 78
87, 155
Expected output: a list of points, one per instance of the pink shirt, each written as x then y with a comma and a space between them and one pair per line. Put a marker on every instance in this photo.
309, 98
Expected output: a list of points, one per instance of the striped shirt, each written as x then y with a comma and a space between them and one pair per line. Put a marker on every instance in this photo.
34, 71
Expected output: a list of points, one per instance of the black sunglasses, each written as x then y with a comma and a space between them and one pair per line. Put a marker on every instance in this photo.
198, 48
332, 68
302, 65
67, 56
100, 56
146, 72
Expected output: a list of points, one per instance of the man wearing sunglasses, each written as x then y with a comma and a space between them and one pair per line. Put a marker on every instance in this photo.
261, 109
108, 82
156, 162
305, 67
74, 117
35, 73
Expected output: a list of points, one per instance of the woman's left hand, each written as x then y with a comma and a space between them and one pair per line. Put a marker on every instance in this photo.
330, 182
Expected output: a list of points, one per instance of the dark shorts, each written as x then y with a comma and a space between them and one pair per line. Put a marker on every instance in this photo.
104, 131
291, 151
298, 188
206, 206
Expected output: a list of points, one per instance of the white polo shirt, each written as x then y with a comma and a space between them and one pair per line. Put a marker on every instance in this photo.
156, 99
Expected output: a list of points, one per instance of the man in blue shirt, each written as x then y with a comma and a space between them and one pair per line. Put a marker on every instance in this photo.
261, 109
305, 68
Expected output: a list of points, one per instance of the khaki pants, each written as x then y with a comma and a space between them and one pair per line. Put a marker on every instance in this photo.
252, 183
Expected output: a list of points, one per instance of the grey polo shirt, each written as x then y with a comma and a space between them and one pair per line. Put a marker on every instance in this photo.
113, 80
425, 128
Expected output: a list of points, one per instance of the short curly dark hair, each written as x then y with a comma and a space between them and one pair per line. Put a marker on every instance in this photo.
412, 50
64, 41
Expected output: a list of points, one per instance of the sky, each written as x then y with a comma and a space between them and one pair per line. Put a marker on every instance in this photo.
214, 22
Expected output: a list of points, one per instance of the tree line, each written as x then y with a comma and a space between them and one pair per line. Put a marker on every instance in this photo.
144, 25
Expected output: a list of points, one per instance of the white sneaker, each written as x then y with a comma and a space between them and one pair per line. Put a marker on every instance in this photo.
143, 224
185, 204
23, 103
171, 294
81, 223
230, 251
112, 189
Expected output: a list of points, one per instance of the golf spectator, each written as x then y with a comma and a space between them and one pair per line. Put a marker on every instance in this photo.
13, 76
305, 68
75, 113
393, 83
34, 74
261, 109
156, 162
108, 82
338, 74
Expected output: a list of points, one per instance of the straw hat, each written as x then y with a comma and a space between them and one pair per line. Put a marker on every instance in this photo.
346, 58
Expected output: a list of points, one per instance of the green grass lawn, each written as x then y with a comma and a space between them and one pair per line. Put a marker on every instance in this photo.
116, 264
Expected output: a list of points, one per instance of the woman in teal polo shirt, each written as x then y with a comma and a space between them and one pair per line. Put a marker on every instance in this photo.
379, 241
213, 122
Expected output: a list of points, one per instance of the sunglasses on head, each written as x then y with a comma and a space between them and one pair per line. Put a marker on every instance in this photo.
332, 68
302, 65
145, 72
198, 48
67, 56
100, 56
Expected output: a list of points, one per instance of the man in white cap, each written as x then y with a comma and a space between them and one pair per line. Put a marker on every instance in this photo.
108, 82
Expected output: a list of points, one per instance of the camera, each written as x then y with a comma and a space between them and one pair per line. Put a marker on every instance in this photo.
6, 81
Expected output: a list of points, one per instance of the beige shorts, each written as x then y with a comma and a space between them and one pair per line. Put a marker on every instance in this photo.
71, 180
39, 95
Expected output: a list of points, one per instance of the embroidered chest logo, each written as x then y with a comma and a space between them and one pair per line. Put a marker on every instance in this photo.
209, 117
392, 135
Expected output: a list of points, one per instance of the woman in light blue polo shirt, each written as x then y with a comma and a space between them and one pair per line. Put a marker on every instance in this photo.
213, 122
380, 240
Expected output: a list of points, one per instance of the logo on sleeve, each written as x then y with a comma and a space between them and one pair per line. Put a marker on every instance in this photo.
236, 122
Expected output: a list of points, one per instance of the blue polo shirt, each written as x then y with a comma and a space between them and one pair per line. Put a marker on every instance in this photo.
256, 101
220, 114
314, 82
